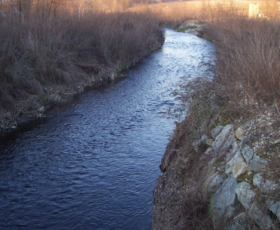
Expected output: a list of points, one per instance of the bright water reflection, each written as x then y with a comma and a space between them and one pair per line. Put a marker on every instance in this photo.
94, 165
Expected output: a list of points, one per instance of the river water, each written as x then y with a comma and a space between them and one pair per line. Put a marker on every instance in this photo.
94, 163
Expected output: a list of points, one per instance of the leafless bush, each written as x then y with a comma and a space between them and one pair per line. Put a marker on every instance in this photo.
63, 47
247, 66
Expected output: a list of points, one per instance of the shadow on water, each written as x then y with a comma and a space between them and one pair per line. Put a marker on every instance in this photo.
29, 125
93, 163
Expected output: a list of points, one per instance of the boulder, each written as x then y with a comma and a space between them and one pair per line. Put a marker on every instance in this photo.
247, 196
232, 152
239, 133
213, 182
216, 131
264, 184
260, 218
222, 203
239, 168
254, 162
205, 141
274, 206
241, 221
231, 163
224, 140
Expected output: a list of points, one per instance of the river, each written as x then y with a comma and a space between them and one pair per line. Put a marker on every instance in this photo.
94, 163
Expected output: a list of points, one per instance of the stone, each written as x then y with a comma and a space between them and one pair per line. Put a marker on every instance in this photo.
216, 131
213, 182
205, 141
263, 184
239, 168
245, 194
274, 206
234, 148
262, 220
231, 163
247, 198
209, 152
222, 203
239, 133
244, 141
224, 140
232, 152
209, 142
254, 162
241, 221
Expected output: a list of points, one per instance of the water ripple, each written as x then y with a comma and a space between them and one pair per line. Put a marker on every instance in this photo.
94, 164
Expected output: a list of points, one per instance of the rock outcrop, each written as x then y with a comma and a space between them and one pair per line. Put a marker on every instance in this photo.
238, 183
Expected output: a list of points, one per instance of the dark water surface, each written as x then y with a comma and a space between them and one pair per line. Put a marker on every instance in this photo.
94, 164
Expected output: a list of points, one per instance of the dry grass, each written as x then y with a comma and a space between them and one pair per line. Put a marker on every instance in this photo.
179, 200
246, 77
247, 66
38, 51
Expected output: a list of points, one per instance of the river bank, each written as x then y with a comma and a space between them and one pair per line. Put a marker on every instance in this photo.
93, 164
221, 166
48, 67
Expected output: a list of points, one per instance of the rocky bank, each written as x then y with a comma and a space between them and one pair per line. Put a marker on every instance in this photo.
220, 173
227, 179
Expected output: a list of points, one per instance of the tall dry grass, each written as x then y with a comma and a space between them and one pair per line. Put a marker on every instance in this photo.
246, 77
38, 49
247, 66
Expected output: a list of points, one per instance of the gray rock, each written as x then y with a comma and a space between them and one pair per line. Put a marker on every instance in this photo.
254, 162
216, 131
209, 142
244, 141
222, 203
232, 152
247, 196
239, 133
242, 221
224, 140
213, 182
231, 163
274, 206
239, 168
264, 185
262, 220
209, 151
234, 148
205, 141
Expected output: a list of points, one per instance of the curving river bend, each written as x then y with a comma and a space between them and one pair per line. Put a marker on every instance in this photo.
94, 164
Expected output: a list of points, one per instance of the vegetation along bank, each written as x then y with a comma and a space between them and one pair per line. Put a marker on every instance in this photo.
47, 55
221, 166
